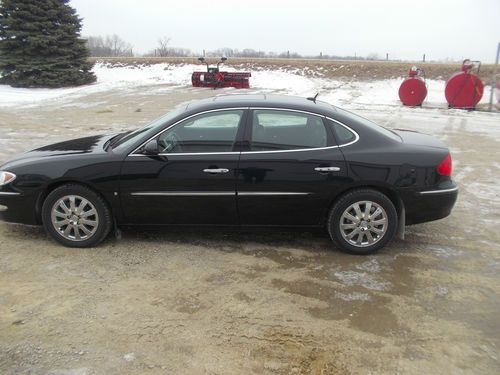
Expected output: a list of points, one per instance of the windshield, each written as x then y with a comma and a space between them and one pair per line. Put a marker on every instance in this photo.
370, 124
129, 139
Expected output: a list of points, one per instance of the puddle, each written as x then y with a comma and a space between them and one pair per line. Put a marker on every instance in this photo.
363, 311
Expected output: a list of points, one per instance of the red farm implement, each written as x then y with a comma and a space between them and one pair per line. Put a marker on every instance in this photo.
214, 78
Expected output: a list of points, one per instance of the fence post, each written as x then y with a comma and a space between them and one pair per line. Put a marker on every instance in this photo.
494, 78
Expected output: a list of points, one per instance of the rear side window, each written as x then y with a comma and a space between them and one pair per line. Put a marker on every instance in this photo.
342, 134
370, 124
274, 130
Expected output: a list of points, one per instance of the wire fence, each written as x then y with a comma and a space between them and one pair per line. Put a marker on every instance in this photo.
494, 103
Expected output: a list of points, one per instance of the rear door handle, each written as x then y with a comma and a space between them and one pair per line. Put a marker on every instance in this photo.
216, 170
327, 169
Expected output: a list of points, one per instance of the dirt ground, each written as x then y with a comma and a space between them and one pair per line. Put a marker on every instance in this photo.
218, 302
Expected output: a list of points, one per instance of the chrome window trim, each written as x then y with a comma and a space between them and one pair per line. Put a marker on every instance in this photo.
439, 191
348, 128
133, 153
190, 153
306, 149
287, 109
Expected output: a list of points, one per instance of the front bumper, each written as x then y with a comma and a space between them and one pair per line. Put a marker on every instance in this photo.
17, 208
432, 204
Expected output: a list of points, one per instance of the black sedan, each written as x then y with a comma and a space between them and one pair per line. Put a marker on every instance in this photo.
237, 160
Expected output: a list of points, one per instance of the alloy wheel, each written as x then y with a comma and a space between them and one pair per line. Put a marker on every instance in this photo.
74, 218
363, 223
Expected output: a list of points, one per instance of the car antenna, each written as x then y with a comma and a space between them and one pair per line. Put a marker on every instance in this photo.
313, 98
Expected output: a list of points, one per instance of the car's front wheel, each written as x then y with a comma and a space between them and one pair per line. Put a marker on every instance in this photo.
76, 216
362, 221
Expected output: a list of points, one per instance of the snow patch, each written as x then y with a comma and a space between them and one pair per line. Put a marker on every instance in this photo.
363, 279
444, 251
157, 77
354, 296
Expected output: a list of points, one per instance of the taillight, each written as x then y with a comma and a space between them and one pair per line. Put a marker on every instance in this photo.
445, 167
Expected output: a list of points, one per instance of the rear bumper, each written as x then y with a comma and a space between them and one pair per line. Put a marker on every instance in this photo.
429, 205
17, 208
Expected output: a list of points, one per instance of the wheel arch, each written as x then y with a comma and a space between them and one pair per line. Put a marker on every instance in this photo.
57, 183
388, 191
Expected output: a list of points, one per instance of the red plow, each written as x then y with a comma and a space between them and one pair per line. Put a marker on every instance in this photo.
214, 78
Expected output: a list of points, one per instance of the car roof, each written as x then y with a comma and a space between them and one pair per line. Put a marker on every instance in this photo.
260, 100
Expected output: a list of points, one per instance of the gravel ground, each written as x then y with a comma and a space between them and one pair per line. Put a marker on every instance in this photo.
217, 302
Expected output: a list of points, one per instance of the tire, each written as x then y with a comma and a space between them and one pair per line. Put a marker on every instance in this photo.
84, 223
376, 217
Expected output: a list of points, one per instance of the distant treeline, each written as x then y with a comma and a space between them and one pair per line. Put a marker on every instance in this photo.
114, 46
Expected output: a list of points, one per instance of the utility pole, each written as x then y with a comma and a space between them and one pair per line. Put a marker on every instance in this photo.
494, 78
423, 58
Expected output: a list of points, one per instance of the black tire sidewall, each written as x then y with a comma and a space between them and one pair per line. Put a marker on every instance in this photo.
355, 196
100, 205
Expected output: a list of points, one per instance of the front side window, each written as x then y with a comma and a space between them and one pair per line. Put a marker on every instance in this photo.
209, 132
274, 130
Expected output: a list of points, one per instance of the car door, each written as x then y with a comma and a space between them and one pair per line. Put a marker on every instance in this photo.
192, 180
291, 171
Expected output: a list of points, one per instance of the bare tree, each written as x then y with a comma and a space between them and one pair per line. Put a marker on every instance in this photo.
179, 52
163, 49
111, 45
226, 52
118, 46
373, 56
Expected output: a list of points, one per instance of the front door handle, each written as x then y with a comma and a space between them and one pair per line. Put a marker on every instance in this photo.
327, 169
216, 170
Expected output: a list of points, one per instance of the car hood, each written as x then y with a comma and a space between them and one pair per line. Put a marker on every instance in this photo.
87, 145
415, 138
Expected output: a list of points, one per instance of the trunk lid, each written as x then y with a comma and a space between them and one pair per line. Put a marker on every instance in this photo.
412, 137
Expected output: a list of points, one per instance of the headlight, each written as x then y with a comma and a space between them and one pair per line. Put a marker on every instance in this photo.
6, 178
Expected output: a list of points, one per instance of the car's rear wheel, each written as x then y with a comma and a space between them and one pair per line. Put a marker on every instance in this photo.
362, 221
76, 216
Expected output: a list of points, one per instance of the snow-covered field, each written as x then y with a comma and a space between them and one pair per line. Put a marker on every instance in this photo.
161, 77
425, 305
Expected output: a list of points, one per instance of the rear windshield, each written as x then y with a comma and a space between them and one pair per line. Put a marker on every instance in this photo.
370, 124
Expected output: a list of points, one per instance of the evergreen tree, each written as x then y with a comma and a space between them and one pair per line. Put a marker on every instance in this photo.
40, 45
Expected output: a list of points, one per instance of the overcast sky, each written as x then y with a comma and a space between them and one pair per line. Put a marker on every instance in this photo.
405, 29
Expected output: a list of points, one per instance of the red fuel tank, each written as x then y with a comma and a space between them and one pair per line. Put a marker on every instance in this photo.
413, 91
464, 89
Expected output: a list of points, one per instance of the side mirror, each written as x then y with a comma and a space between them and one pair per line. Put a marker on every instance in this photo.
151, 148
